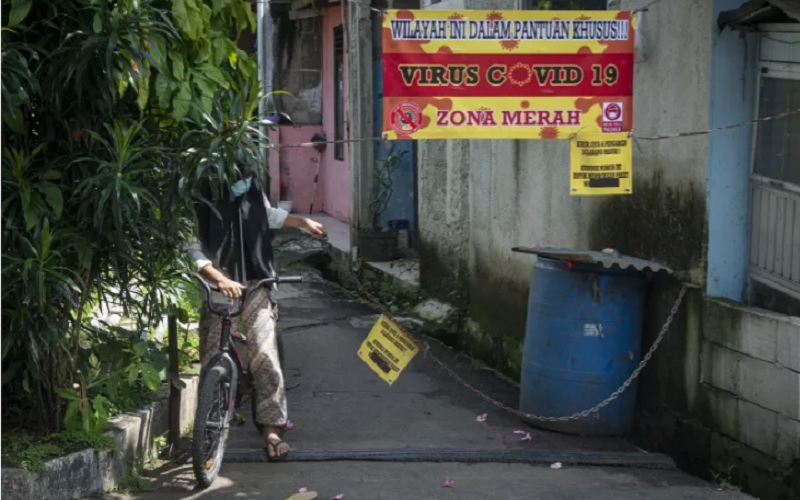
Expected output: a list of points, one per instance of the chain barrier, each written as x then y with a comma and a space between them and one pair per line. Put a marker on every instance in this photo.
328, 248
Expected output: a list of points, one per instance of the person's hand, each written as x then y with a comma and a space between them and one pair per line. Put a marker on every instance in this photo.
316, 229
312, 227
229, 288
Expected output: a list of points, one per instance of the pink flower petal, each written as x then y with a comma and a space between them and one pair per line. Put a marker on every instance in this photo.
289, 425
481, 418
303, 490
448, 484
338, 497
520, 432
527, 437
556, 465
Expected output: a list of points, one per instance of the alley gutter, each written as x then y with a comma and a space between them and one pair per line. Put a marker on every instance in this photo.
639, 460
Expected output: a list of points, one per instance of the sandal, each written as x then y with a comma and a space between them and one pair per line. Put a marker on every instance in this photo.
275, 456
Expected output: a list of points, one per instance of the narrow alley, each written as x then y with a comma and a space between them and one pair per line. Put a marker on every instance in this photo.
354, 435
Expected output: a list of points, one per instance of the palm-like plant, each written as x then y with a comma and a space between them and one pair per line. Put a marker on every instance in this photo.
112, 111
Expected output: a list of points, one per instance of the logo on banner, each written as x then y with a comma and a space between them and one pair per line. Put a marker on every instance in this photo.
613, 116
406, 118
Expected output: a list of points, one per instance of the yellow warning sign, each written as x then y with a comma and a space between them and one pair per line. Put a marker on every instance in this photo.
601, 164
387, 349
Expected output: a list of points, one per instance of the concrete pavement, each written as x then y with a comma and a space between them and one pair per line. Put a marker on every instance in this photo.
340, 408
423, 481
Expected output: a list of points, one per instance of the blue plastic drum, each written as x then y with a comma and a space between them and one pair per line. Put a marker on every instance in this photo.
583, 340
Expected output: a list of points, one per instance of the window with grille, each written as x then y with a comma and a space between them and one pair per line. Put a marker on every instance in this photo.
775, 179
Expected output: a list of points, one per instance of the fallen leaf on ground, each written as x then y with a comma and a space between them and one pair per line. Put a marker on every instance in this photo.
556, 465
481, 418
448, 484
520, 432
527, 437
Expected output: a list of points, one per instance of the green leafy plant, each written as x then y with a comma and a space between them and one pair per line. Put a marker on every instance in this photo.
134, 482
113, 111
383, 185
116, 371
31, 452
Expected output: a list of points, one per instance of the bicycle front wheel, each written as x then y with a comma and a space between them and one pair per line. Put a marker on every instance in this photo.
212, 422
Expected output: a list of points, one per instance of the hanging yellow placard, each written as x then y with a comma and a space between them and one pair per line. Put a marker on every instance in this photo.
601, 164
387, 349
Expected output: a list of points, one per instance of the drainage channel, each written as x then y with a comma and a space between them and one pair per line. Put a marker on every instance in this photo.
636, 459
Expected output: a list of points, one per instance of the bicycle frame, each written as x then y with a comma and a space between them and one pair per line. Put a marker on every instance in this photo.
227, 353
221, 373
227, 315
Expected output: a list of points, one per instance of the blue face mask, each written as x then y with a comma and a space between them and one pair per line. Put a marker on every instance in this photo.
241, 186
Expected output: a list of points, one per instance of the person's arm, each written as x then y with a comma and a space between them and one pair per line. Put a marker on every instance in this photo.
227, 287
279, 218
315, 228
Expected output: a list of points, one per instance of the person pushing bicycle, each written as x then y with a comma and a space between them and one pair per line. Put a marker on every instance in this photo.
233, 247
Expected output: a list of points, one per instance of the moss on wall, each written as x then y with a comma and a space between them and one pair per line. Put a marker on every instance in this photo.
660, 221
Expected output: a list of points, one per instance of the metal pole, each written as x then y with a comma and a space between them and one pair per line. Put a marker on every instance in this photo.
174, 392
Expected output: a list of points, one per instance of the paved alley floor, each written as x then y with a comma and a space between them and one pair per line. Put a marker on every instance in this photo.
341, 409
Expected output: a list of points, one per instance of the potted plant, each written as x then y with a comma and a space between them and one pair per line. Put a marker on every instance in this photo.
376, 243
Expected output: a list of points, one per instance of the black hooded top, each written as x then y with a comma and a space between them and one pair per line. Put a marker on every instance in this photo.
237, 236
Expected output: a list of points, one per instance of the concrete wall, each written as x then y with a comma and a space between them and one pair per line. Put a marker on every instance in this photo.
478, 199
292, 169
335, 177
727, 401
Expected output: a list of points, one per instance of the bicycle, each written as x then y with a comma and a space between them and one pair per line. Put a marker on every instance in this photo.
219, 385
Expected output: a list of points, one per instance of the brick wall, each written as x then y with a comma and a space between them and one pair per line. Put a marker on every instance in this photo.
737, 417
750, 377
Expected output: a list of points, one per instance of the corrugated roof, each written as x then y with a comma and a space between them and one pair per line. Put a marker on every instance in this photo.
606, 258
760, 11
790, 7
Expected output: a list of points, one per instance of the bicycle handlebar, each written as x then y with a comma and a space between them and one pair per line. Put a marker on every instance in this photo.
246, 290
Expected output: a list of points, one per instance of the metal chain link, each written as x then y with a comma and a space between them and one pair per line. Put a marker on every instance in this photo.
528, 416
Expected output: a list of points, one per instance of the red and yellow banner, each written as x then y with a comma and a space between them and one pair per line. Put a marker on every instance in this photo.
506, 74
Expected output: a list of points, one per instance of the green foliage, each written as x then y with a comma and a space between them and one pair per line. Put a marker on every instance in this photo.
188, 348
116, 372
113, 111
135, 483
383, 184
31, 452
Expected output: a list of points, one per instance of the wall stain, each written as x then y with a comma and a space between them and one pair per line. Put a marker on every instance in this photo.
661, 222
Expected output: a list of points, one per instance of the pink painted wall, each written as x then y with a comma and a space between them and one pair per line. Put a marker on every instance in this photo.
292, 169
335, 178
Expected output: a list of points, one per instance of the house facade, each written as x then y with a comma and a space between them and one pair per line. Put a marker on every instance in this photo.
325, 70
721, 208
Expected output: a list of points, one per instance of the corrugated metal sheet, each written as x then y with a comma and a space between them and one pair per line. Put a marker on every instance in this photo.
607, 259
790, 7
755, 12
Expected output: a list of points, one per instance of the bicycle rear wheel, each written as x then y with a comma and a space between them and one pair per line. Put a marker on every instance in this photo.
212, 422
